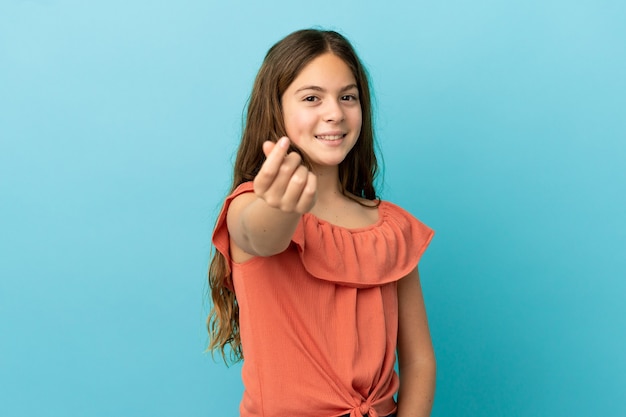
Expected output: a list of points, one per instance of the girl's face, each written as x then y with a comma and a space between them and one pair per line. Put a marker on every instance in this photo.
322, 111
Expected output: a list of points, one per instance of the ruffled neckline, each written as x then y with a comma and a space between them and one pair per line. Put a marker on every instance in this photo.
313, 218
373, 255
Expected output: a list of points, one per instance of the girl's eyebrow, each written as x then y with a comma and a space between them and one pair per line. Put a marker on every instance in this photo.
318, 88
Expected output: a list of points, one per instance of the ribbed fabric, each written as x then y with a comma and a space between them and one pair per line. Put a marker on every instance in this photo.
319, 321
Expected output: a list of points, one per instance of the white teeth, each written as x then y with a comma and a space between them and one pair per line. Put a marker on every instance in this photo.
329, 137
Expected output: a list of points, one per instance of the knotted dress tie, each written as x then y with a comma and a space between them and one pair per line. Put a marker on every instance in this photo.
364, 409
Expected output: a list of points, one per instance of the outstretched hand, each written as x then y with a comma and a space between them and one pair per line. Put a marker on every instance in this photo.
283, 182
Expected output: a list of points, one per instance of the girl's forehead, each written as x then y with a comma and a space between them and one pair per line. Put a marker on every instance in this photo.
327, 69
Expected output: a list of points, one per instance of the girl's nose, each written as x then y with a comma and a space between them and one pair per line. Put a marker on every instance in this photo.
333, 111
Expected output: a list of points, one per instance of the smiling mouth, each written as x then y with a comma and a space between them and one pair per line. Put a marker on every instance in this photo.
330, 137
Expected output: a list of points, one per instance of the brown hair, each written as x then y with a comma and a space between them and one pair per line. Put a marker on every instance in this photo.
264, 121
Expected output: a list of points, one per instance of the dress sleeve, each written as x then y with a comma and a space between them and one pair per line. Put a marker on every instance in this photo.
221, 238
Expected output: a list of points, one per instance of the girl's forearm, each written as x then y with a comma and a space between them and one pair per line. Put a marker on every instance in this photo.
417, 390
268, 231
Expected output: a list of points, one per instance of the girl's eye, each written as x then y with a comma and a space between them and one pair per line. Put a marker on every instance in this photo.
310, 99
349, 97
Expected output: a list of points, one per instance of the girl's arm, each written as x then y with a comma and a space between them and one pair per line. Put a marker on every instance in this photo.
416, 358
262, 223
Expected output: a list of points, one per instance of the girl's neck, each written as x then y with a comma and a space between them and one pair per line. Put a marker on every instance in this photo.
328, 187
337, 208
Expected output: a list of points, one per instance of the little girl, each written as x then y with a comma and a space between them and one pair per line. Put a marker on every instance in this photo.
314, 281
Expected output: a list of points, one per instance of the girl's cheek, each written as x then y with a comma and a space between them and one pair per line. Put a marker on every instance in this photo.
303, 120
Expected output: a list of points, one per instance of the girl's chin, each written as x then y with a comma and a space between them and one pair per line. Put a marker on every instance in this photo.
326, 163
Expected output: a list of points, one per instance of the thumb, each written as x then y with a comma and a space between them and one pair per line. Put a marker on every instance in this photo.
267, 147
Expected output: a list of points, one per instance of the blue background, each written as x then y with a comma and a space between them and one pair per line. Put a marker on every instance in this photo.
502, 125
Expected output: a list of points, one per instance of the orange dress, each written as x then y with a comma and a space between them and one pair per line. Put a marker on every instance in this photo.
319, 321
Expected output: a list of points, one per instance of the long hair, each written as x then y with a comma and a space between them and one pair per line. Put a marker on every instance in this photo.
264, 121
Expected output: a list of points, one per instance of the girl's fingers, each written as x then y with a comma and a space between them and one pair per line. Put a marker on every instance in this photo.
294, 188
274, 195
277, 151
283, 182
267, 147
275, 154
308, 197
270, 184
